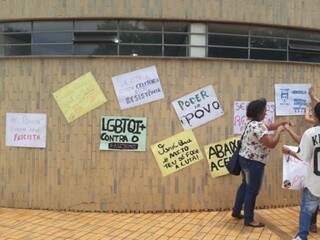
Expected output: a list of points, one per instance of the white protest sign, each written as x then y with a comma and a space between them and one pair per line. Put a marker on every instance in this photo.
137, 87
198, 107
240, 118
294, 171
26, 130
291, 99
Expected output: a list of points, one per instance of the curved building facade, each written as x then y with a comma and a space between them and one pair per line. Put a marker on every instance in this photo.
241, 48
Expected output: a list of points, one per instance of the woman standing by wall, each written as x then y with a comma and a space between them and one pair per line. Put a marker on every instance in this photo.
256, 145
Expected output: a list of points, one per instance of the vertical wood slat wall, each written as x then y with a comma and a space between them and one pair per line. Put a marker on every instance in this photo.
72, 174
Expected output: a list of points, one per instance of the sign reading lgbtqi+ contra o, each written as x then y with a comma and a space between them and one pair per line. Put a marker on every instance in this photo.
79, 97
177, 152
291, 99
26, 130
198, 107
137, 87
240, 118
219, 153
123, 133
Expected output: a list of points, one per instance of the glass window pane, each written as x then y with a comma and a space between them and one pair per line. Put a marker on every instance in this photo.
269, 31
95, 49
175, 51
176, 27
140, 26
267, 54
52, 37
17, 50
53, 26
17, 27
22, 38
1, 50
304, 57
228, 28
96, 37
95, 25
227, 52
176, 38
227, 40
307, 35
309, 46
140, 37
276, 43
140, 50
52, 49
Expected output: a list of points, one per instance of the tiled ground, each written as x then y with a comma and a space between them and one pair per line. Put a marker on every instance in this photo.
48, 225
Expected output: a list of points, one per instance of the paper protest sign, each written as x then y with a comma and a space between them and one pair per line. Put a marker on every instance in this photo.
123, 133
294, 171
26, 130
137, 87
198, 107
177, 152
240, 118
79, 97
218, 154
291, 99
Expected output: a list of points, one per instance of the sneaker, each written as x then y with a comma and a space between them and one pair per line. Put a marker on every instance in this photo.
297, 238
313, 228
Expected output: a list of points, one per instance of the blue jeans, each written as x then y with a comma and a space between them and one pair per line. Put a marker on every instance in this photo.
308, 206
252, 175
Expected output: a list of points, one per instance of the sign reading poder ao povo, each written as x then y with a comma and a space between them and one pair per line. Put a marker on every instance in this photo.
123, 133
198, 107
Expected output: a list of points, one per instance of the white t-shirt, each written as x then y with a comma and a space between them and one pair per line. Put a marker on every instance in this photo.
251, 148
309, 151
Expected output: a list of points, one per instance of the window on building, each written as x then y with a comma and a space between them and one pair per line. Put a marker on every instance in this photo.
156, 38
228, 41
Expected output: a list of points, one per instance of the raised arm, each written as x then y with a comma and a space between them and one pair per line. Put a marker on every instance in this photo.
274, 126
314, 99
308, 116
292, 133
271, 140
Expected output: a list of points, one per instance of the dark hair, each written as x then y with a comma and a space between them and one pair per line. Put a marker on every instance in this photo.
255, 108
317, 111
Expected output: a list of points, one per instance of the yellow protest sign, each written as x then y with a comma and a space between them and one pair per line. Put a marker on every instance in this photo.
176, 152
79, 97
218, 154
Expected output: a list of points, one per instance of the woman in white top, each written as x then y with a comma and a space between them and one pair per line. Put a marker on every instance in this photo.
256, 145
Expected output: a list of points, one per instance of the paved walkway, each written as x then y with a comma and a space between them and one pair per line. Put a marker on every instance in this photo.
48, 225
